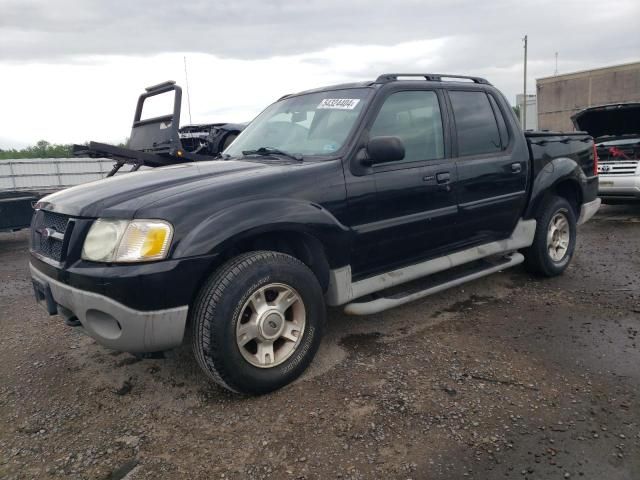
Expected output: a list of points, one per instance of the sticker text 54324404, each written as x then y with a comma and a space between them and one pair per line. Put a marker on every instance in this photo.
339, 103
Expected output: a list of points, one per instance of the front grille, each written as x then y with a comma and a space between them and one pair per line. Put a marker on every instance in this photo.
42, 242
620, 167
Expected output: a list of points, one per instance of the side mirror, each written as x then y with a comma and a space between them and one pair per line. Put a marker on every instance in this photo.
384, 149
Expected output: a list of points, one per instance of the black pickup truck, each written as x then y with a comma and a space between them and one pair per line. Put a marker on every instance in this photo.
365, 195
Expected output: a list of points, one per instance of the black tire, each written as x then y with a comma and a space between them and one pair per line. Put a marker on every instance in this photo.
218, 308
538, 259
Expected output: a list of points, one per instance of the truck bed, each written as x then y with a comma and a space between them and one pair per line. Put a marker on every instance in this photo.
545, 146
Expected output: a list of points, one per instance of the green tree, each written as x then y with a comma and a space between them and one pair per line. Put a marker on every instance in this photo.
42, 149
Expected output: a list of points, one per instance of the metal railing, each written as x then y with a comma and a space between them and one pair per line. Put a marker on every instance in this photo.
32, 174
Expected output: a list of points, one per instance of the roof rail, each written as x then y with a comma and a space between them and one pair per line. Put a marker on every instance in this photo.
431, 77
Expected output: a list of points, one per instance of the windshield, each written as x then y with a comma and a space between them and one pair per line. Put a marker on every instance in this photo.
618, 142
310, 124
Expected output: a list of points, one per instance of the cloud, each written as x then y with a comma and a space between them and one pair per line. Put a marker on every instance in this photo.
95, 99
72, 69
250, 29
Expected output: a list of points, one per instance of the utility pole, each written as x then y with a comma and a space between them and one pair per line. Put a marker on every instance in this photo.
524, 103
186, 79
556, 70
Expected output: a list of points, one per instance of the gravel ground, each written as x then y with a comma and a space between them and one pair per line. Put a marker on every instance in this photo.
507, 377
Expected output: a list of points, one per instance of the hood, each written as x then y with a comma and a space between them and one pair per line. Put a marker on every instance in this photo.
618, 120
121, 196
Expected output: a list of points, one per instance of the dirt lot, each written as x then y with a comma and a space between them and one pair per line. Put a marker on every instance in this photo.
508, 377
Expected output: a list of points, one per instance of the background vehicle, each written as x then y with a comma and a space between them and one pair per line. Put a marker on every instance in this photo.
209, 139
366, 195
16, 210
616, 129
159, 140
153, 142
24, 181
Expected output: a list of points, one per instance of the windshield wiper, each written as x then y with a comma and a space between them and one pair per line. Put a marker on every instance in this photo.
265, 151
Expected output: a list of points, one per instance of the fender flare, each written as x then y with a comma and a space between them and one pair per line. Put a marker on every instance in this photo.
223, 228
554, 172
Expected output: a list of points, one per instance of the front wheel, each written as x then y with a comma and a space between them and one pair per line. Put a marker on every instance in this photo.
555, 238
257, 322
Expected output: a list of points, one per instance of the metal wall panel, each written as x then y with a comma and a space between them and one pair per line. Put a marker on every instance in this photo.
48, 174
51, 174
561, 96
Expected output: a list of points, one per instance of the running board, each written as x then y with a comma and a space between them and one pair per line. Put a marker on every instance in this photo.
342, 289
436, 283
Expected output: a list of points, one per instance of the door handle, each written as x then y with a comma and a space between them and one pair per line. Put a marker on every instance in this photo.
443, 177
516, 167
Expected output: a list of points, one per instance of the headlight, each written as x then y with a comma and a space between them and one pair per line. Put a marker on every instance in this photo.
127, 241
103, 240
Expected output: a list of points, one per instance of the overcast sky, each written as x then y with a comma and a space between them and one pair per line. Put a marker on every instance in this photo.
71, 70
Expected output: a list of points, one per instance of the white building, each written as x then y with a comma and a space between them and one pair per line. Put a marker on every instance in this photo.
532, 110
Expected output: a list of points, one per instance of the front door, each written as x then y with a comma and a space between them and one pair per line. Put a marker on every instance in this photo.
406, 209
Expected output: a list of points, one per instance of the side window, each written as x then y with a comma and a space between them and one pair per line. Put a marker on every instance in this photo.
415, 118
502, 126
475, 123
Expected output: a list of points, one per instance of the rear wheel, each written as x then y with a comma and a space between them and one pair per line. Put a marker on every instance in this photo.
257, 322
555, 238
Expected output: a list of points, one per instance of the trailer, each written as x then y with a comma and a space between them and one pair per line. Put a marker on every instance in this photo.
24, 181
154, 142
159, 141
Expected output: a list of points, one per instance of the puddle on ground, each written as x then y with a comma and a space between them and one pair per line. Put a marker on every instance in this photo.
470, 302
363, 342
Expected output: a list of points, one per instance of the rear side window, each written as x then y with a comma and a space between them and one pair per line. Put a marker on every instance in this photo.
502, 126
476, 124
414, 117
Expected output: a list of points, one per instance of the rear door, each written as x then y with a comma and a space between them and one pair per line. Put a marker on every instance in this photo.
411, 213
491, 185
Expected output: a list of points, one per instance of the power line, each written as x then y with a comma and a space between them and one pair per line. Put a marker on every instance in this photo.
186, 80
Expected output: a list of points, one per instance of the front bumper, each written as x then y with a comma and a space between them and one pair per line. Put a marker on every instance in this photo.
113, 324
619, 187
588, 210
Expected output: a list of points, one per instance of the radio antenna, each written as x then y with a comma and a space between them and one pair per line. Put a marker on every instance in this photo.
186, 80
523, 118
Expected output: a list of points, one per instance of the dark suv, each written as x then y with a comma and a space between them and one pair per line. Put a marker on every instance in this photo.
342, 195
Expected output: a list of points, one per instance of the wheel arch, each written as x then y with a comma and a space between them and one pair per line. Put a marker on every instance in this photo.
304, 230
562, 177
295, 242
570, 190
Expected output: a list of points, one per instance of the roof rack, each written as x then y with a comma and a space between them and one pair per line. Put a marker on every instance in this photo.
431, 77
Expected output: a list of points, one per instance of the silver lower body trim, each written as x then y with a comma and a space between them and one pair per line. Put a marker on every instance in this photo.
382, 304
115, 325
342, 290
588, 210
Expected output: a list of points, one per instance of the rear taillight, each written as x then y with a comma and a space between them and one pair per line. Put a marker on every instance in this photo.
595, 159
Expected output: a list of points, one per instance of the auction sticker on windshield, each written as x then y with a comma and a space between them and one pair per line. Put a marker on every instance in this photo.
339, 103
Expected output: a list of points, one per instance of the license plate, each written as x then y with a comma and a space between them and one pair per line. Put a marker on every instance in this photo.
605, 184
44, 298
